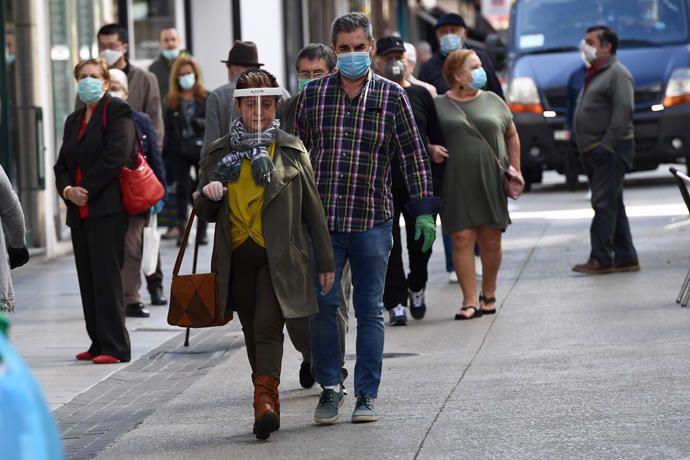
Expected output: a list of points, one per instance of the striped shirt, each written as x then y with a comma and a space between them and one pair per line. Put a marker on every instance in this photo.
351, 143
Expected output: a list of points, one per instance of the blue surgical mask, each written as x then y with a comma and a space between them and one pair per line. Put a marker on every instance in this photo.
354, 64
187, 81
478, 78
304, 81
171, 54
90, 89
450, 43
9, 58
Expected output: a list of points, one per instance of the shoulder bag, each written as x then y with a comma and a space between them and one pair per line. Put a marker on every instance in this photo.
194, 300
140, 189
513, 183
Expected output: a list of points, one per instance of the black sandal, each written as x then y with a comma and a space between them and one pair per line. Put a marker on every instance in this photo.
477, 313
487, 301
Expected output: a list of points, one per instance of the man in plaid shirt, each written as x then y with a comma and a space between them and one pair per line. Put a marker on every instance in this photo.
353, 122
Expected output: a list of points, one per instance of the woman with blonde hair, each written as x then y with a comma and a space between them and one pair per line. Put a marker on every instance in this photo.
185, 121
482, 142
98, 141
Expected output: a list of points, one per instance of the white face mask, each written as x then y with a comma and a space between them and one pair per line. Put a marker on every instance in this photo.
588, 53
111, 56
118, 94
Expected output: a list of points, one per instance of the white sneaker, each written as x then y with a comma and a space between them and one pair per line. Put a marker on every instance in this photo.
478, 266
452, 277
398, 316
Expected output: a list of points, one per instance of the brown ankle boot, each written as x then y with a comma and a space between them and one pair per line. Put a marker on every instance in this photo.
266, 406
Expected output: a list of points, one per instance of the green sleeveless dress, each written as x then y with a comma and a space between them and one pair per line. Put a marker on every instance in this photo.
472, 184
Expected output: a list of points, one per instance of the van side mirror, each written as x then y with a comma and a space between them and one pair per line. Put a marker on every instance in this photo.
496, 50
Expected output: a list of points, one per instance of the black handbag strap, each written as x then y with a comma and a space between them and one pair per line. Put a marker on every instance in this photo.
183, 247
478, 133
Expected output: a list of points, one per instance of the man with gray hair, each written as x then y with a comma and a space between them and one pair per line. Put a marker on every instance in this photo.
353, 122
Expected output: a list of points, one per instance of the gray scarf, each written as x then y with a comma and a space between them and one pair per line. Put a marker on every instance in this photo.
243, 144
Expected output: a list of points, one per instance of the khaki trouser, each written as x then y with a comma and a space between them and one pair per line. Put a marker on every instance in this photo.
131, 268
254, 300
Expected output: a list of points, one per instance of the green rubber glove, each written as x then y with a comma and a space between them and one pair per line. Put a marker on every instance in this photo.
425, 225
4, 326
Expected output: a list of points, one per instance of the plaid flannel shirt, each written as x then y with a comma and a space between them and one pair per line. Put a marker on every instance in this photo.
351, 143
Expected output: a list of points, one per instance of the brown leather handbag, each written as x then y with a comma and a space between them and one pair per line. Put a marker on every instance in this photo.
194, 300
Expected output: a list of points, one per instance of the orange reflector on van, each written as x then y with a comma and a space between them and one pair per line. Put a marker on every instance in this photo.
526, 108
676, 100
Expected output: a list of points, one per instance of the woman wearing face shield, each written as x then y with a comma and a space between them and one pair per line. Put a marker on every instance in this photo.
98, 141
257, 186
479, 133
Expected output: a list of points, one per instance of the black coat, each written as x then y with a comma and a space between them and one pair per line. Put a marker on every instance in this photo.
106, 146
182, 138
149, 144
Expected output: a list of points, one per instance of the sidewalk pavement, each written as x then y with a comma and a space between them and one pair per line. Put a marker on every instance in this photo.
571, 366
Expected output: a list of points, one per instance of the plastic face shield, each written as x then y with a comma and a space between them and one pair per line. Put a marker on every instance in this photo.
257, 93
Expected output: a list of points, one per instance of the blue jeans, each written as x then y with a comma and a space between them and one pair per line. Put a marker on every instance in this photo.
367, 253
448, 250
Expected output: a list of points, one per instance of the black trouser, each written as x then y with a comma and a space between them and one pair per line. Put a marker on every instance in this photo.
252, 296
99, 253
609, 232
396, 283
185, 188
154, 281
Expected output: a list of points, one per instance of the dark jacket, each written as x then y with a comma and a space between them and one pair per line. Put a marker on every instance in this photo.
149, 144
432, 72
161, 69
426, 118
604, 114
286, 114
107, 145
293, 221
184, 138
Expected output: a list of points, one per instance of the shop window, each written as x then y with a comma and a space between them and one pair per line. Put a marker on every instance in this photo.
148, 18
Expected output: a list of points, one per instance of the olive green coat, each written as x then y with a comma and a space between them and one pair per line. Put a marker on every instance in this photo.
293, 217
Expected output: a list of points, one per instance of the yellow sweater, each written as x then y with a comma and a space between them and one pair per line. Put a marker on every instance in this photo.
246, 201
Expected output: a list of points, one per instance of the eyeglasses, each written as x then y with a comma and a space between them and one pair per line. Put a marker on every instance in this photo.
315, 74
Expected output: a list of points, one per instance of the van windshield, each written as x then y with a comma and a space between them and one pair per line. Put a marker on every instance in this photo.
542, 25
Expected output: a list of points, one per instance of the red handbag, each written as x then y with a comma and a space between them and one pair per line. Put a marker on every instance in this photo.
139, 187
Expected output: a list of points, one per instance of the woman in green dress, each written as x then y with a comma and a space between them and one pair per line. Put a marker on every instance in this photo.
479, 133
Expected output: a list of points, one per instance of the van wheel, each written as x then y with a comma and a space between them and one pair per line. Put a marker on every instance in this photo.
533, 175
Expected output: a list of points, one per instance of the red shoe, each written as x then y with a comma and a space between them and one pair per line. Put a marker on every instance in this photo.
105, 359
84, 356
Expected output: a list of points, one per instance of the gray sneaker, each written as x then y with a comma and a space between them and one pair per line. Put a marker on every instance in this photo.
326, 412
364, 410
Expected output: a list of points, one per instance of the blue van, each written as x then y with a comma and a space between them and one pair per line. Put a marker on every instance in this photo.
543, 64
